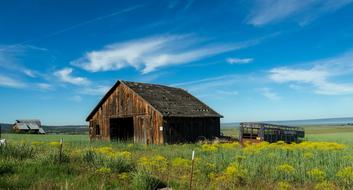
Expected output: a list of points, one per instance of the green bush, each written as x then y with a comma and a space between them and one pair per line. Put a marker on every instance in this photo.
89, 157
120, 165
54, 158
143, 180
6, 167
18, 151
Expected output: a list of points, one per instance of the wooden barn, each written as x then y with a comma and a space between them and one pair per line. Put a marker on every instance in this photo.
150, 113
28, 126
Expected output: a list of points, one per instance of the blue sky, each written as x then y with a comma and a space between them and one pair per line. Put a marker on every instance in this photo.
249, 60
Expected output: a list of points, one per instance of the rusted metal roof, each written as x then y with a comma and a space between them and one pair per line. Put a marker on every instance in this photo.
169, 101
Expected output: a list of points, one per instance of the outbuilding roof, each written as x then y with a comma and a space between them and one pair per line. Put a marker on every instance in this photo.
29, 121
28, 125
169, 101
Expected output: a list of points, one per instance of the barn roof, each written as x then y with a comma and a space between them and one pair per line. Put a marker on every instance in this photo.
169, 101
29, 121
22, 126
28, 125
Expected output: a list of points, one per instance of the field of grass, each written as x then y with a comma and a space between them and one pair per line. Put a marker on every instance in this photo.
335, 133
33, 162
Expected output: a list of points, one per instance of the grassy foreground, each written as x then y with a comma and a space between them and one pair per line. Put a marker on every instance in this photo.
32, 162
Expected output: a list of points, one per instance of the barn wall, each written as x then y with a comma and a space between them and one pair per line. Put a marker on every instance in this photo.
123, 102
183, 129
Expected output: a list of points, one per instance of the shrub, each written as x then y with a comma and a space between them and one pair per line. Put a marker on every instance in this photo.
325, 185
346, 176
316, 174
282, 185
104, 170
143, 180
6, 167
120, 165
89, 157
54, 158
19, 151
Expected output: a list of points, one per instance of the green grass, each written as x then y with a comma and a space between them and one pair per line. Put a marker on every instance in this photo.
44, 138
32, 162
341, 137
336, 133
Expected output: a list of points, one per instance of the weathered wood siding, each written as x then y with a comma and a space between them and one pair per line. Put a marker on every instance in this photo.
124, 102
190, 129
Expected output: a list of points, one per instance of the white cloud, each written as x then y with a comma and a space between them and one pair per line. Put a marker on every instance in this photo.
12, 58
210, 83
29, 73
284, 74
239, 61
97, 90
319, 74
65, 75
268, 93
151, 53
76, 98
44, 86
227, 93
303, 11
9, 82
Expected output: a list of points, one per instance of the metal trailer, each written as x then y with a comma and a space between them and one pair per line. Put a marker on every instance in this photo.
257, 132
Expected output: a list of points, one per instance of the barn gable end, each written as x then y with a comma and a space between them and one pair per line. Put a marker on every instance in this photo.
122, 102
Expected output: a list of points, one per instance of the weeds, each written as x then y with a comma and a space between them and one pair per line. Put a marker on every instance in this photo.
310, 165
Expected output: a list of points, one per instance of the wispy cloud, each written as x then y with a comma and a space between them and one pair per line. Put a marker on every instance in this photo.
65, 75
208, 83
150, 53
98, 90
320, 74
44, 86
235, 60
76, 98
78, 25
10, 82
227, 93
269, 11
268, 93
12, 58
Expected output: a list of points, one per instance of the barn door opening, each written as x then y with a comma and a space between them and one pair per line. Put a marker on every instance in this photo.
122, 129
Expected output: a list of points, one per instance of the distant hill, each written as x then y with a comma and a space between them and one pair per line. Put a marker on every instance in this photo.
67, 129
325, 121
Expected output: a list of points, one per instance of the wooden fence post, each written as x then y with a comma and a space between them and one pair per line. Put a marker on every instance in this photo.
61, 149
192, 167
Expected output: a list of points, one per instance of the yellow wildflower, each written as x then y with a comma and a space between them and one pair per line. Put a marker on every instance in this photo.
209, 148
124, 154
123, 176
158, 164
286, 168
35, 143
180, 162
103, 170
346, 175
316, 174
54, 144
229, 145
282, 185
308, 155
325, 185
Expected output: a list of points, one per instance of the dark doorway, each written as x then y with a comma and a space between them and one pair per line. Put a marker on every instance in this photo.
122, 129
